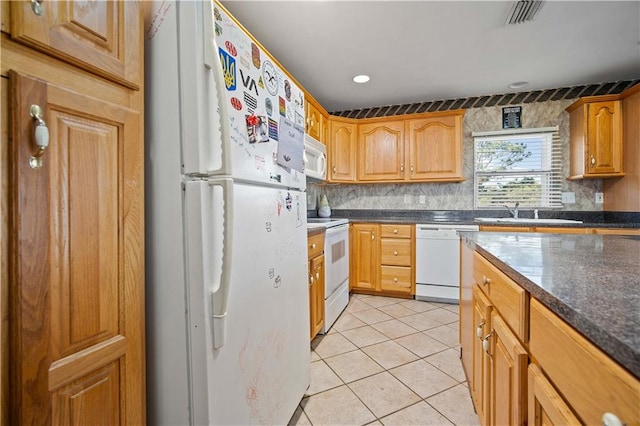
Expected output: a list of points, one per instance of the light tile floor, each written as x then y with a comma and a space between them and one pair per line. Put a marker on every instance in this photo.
388, 361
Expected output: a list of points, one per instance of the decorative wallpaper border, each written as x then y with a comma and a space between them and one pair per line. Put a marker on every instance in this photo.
574, 92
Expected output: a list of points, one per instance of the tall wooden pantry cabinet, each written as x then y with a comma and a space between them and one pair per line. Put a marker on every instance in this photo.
72, 277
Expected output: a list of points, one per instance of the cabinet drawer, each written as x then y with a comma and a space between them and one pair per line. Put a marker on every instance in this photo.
511, 300
315, 245
588, 380
396, 278
395, 231
395, 252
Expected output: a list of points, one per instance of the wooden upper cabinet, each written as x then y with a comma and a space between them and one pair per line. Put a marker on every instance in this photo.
314, 122
102, 37
595, 138
434, 148
342, 151
381, 151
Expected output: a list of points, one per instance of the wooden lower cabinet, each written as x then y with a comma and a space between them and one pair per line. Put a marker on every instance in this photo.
546, 406
590, 382
560, 378
507, 375
364, 257
382, 259
315, 250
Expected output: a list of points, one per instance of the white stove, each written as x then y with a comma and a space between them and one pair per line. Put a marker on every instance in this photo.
336, 259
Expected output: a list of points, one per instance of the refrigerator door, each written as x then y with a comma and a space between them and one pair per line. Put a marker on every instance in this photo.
208, 91
262, 370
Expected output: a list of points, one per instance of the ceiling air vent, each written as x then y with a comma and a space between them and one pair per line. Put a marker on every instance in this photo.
523, 11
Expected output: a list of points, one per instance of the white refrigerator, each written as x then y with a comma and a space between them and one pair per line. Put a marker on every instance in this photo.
227, 311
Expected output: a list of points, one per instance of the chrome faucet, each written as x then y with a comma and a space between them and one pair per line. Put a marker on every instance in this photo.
514, 212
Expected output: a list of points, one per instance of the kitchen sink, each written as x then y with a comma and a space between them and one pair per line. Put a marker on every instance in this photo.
523, 220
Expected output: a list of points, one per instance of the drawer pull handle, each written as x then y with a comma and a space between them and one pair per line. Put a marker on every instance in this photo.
486, 280
395, 252
395, 279
479, 330
313, 245
610, 419
395, 231
485, 343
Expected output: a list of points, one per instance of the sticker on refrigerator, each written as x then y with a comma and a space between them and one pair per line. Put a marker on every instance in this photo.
268, 105
287, 90
252, 103
288, 202
273, 130
236, 103
270, 77
228, 69
216, 14
231, 48
290, 145
283, 106
249, 83
259, 162
257, 128
255, 55
260, 83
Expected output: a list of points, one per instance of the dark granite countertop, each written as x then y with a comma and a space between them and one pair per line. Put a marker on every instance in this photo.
593, 219
591, 281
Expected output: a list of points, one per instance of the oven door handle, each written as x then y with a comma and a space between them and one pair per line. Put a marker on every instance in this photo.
336, 229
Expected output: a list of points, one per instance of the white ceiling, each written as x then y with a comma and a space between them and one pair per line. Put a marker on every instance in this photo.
418, 51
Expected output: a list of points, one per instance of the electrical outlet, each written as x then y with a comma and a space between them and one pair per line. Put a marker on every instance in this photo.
423, 199
407, 198
599, 197
568, 198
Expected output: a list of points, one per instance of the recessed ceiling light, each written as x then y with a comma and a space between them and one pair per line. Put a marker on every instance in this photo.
518, 84
362, 78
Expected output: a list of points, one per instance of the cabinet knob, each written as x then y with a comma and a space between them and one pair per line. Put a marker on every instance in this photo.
41, 136
313, 245
411, 169
334, 169
593, 161
373, 237
395, 252
610, 419
479, 330
395, 279
317, 275
395, 231
402, 167
311, 279
486, 280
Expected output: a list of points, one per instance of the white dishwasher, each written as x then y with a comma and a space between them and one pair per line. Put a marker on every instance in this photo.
438, 262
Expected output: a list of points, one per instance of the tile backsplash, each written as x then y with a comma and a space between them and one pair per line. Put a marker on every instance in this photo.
459, 196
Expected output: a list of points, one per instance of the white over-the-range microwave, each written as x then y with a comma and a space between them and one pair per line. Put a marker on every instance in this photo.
315, 159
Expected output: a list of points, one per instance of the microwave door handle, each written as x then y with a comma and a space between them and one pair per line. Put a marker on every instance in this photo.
323, 158
212, 61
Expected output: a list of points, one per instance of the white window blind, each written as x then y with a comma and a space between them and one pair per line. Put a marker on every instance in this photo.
523, 166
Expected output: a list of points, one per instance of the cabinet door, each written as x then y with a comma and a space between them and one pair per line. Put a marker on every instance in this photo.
546, 406
508, 375
314, 122
342, 151
365, 255
480, 380
434, 148
102, 37
316, 294
77, 232
604, 140
381, 151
